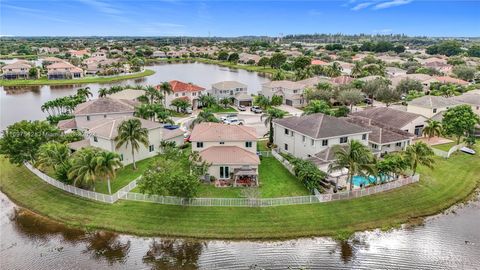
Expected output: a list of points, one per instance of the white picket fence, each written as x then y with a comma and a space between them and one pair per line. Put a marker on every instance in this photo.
124, 193
445, 154
267, 202
82, 192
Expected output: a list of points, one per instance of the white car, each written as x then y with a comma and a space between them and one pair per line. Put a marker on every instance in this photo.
256, 109
231, 116
241, 108
234, 122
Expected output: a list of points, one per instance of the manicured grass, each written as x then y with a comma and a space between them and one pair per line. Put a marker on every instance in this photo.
262, 145
13, 56
45, 81
277, 181
222, 109
451, 181
210, 191
445, 146
125, 175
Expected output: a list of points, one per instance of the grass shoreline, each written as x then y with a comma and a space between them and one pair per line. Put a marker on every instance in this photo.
453, 181
146, 72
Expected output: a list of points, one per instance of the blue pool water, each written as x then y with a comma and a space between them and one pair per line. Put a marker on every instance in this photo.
361, 180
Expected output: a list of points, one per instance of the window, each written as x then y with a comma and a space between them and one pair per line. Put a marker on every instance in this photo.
312, 142
374, 146
303, 138
286, 131
343, 139
222, 142
194, 94
224, 172
95, 139
88, 117
248, 144
151, 148
291, 133
121, 157
324, 142
435, 110
176, 94
199, 144
104, 116
398, 144
364, 137
286, 147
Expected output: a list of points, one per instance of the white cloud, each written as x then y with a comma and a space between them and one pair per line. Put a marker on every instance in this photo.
392, 3
102, 7
362, 5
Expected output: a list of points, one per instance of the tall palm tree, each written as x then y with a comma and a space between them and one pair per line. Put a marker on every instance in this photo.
207, 101
317, 106
103, 92
52, 154
419, 154
130, 132
145, 111
163, 115
355, 157
268, 117
433, 128
83, 170
357, 70
85, 92
166, 89
205, 116
152, 95
107, 164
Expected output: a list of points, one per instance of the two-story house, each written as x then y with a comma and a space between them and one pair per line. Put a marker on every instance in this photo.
232, 89
101, 133
17, 70
307, 135
63, 70
429, 106
291, 92
230, 150
188, 91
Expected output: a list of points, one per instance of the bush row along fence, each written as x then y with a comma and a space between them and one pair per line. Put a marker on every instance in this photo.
446, 154
125, 194
82, 192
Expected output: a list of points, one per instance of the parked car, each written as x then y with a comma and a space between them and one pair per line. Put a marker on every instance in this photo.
228, 117
368, 101
171, 127
188, 110
256, 109
241, 108
234, 122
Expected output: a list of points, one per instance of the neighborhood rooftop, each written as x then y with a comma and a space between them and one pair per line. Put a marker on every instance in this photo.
105, 105
392, 117
320, 125
208, 132
178, 86
433, 102
227, 85
229, 155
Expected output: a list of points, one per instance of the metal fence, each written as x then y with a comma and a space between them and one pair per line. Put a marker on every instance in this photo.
82, 192
284, 162
267, 202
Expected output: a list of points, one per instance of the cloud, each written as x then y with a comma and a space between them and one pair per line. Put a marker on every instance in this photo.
315, 12
392, 3
102, 7
362, 6
36, 13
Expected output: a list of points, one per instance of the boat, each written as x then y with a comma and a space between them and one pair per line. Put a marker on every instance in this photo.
467, 150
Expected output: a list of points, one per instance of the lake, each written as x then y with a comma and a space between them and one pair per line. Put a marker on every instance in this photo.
446, 241
23, 103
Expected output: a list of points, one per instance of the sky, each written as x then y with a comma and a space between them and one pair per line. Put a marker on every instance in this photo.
230, 18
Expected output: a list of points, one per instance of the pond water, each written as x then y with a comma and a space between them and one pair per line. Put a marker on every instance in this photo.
23, 103
447, 241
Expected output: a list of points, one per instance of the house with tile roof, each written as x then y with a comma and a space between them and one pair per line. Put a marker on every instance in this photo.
188, 91
17, 70
291, 92
101, 133
231, 151
237, 91
305, 136
471, 98
63, 70
429, 106
407, 121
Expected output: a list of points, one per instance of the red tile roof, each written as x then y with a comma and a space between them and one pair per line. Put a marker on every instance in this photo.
178, 86
318, 62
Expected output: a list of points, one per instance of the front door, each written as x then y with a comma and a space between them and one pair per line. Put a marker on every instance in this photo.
418, 130
224, 172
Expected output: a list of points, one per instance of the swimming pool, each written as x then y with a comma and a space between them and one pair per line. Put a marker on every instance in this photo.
361, 180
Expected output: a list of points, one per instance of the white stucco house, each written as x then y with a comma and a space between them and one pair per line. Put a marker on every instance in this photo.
188, 91
291, 92
237, 91
429, 106
230, 150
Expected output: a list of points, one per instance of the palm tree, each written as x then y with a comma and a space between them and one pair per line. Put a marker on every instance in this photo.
419, 154
262, 101
152, 95
166, 89
357, 70
207, 101
355, 157
130, 132
107, 164
225, 102
52, 154
83, 170
433, 128
204, 116
162, 114
317, 106
145, 111
269, 116
103, 92
85, 92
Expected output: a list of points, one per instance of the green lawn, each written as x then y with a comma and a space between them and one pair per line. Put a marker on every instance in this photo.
453, 180
45, 81
222, 109
125, 175
262, 145
445, 146
277, 181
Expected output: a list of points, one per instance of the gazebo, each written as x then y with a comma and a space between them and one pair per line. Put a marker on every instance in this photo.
245, 176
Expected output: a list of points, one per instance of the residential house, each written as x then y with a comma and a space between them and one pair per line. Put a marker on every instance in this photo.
48, 50
307, 135
230, 150
412, 123
232, 89
439, 66
424, 79
159, 54
342, 80
63, 70
317, 62
395, 72
429, 106
16, 70
78, 53
128, 94
101, 133
189, 91
291, 92
383, 138
471, 99
245, 58
448, 79
46, 61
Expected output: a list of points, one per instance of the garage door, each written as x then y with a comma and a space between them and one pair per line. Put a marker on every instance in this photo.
288, 102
